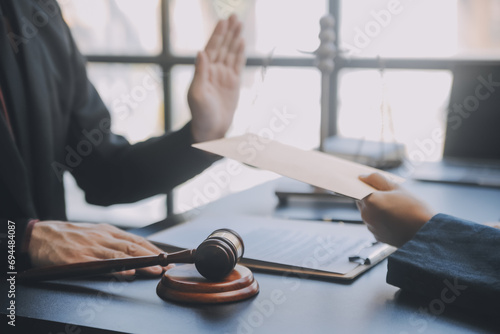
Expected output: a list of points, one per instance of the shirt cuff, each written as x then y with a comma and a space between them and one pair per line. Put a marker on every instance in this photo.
210, 157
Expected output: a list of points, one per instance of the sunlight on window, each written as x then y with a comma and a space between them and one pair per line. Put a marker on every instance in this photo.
134, 97
114, 27
418, 102
281, 27
291, 93
424, 28
281, 103
479, 28
406, 28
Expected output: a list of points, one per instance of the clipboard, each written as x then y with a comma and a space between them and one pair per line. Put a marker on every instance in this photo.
307, 249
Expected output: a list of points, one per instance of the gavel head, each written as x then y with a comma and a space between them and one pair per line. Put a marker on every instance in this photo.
217, 256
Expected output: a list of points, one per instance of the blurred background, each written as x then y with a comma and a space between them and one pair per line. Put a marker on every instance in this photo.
141, 55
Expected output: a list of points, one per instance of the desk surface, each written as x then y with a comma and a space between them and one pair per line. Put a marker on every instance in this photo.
284, 304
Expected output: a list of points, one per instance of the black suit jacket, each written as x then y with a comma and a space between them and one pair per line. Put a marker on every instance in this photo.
60, 123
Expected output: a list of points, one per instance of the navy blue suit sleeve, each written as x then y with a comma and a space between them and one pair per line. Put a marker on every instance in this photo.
454, 261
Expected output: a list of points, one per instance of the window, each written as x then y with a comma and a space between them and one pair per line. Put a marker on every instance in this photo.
415, 100
392, 52
420, 29
127, 41
400, 53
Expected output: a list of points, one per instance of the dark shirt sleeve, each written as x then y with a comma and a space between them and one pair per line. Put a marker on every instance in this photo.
106, 166
454, 261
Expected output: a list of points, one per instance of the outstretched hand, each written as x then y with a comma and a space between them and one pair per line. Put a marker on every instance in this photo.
57, 243
392, 214
214, 91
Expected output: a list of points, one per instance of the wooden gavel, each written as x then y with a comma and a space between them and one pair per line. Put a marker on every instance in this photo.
214, 259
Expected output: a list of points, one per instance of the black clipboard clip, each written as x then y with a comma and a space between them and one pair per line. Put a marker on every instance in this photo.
371, 254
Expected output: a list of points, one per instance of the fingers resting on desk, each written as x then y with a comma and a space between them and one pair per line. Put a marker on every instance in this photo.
56, 242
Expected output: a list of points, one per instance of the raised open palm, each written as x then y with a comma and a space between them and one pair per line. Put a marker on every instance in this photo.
214, 91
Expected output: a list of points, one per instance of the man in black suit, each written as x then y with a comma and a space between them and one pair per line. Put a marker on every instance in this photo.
52, 120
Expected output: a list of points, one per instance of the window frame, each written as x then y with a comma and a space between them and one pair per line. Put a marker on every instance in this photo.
166, 60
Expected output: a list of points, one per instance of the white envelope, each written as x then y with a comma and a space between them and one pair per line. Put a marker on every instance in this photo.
313, 167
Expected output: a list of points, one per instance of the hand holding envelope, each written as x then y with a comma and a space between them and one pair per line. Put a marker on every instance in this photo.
316, 168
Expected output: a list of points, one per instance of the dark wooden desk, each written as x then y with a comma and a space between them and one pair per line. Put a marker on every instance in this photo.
285, 304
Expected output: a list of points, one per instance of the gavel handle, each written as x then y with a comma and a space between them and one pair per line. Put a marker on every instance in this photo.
100, 267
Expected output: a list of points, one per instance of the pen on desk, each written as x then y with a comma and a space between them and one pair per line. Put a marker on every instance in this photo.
371, 254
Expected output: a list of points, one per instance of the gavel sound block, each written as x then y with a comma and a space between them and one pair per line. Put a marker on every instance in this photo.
215, 277
212, 277
184, 284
